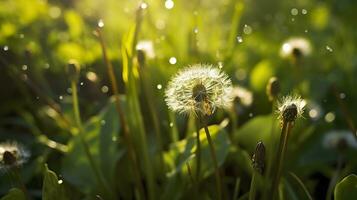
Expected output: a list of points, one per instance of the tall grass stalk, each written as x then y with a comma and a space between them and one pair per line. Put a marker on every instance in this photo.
253, 185
99, 177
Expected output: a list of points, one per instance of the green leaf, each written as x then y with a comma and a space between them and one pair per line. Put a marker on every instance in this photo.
347, 188
52, 189
14, 194
183, 151
101, 134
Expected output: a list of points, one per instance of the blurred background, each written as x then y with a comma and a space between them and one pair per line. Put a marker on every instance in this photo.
244, 38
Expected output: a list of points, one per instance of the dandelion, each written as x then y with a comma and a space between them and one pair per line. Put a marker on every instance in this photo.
242, 95
289, 109
258, 162
295, 48
147, 47
273, 88
199, 89
12, 155
339, 139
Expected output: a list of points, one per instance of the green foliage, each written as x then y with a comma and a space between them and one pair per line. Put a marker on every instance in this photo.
52, 189
14, 194
346, 189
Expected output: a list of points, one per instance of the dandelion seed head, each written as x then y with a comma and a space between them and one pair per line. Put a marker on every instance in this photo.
147, 46
295, 47
339, 139
242, 95
199, 89
12, 154
290, 108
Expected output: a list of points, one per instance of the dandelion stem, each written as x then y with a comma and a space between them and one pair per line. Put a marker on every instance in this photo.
98, 175
214, 159
287, 126
236, 189
253, 183
334, 178
16, 174
126, 133
198, 154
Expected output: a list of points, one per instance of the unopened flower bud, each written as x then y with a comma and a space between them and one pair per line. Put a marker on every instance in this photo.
258, 159
273, 88
141, 57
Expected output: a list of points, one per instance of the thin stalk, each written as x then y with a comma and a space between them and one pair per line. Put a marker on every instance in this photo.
253, 186
190, 173
281, 154
334, 178
122, 119
173, 126
99, 177
17, 177
215, 162
198, 153
236, 189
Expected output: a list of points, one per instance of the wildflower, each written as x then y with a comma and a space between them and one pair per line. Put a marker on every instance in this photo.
273, 88
295, 48
290, 108
73, 69
199, 89
12, 154
339, 139
147, 47
242, 95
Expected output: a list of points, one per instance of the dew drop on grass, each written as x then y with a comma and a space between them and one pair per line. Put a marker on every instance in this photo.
239, 39
143, 5
171, 124
328, 48
104, 89
102, 122
60, 182
6, 48
172, 60
294, 11
159, 86
169, 4
330, 117
81, 83
304, 11
247, 29
60, 97
342, 95
100, 23
24, 67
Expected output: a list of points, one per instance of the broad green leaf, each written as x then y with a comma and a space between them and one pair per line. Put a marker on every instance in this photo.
347, 188
184, 151
101, 134
14, 194
52, 189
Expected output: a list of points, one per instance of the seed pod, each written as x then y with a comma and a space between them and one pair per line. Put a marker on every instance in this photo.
273, 88
290, 113
258, 159
73, 69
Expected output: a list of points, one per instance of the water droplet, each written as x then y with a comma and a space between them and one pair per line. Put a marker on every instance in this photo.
306, 31
172, 60
328, 48
24, 67
342, 95
60, 181
69, 90
171, 124
294, 11
195, 30
220, 65
330, 117
100, 23
60, 97
143, 5
81, 83
169, 4
104, 89
247, 29
239, 39
313, 113
292, 19
102, 122
250, 114
92, 76
304, 11
159, 86
6, 48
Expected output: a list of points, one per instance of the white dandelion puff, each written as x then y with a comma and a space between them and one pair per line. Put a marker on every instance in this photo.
199, 89
12, 154
147, 46
337, 139
290, 108
295, 47
242, 95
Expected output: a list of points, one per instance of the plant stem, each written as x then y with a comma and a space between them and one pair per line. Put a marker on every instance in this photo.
198, 153
98, 175
334, 178
127, 136
236, 189
16, 174
281, 154
214, 159
253, 183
